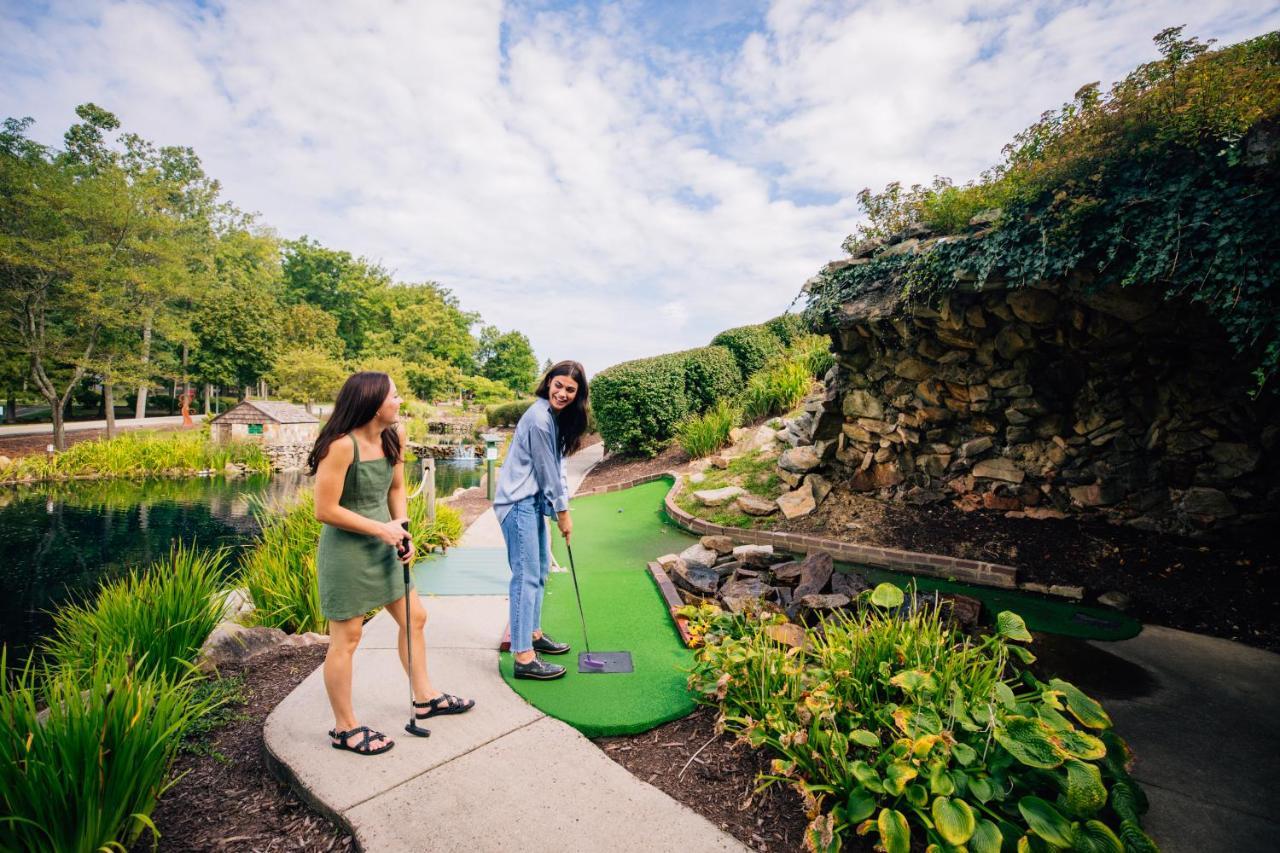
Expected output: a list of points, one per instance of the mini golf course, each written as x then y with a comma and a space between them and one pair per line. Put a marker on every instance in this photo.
615, 536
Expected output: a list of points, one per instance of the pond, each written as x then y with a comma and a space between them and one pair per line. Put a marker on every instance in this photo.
58, 541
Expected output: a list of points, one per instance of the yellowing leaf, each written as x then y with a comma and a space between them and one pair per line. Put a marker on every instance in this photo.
953, 819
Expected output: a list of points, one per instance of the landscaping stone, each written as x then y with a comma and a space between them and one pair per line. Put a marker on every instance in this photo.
862, 404
815, 571
799, 460
754, 555
797, 504
788, 572
964, 609
5, 461
236, 603
698, 557
789, 634
727, 567
739, 595
821, 487
698, 581
1114, 599
718, 497
668, 562
975, 447
722, 545
231, 642
1206, 502
848, 583
830, 601
752, 505
999, 469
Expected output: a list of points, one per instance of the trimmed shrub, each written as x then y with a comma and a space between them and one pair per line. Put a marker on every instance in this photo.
710, 374
507, 414
638, 403
788, 328
752, 346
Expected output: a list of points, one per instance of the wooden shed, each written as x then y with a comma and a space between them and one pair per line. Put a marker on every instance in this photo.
272, 423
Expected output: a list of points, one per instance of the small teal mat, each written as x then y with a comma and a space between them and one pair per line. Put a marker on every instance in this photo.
463, 571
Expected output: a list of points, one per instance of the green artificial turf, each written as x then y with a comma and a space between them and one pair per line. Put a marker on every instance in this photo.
615, 536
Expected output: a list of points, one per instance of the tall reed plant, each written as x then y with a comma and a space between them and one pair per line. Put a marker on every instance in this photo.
704, 434
443, 533
85, 756
280, 570
777, 388
160, 616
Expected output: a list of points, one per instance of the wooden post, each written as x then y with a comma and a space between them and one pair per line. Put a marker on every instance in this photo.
429, 480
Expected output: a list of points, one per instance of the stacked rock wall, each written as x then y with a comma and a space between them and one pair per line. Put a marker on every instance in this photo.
1046, 400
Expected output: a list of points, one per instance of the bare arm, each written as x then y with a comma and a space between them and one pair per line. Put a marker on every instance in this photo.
330, 476
398, 495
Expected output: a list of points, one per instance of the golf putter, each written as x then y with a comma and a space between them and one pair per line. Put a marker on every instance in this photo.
592, 662
412, 726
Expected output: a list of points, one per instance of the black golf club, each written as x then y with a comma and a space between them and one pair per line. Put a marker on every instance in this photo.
412, 726
599, 661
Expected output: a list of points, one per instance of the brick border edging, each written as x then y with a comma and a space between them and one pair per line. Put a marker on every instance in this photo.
912, 562
627, 484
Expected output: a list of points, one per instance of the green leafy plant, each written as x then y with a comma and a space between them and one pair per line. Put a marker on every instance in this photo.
160, 615
137, 454
891, 723
711, 374
280, 570
507, 414
84, 756
776, 389
752, 346
702, 435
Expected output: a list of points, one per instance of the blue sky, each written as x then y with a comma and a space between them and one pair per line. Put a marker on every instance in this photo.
614, 179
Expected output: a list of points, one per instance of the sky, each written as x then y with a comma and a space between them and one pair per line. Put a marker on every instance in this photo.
614, 179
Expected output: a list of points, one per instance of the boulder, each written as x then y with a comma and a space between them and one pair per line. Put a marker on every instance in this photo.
999, 469
235, 603
698, 557
231, 642
848, 583
1033, 306
757, 556
1209, 503
830, 601
698, 581
752, 505
862, 404
788, 572
815, 571
799, 460
788, 634
720, 544
797, 504
718, 497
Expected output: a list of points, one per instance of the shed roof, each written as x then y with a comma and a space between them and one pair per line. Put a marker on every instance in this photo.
277, 410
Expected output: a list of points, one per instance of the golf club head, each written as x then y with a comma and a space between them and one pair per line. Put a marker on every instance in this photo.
590, 663
413, 728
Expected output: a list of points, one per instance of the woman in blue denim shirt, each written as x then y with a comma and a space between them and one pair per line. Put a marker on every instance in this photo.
532, 485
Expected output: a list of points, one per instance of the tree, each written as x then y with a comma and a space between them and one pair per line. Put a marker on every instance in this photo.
306, 375
335, 282
393, 367
433, 379
507, 358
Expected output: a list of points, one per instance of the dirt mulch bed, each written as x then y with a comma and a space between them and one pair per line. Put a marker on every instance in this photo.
228, 800
15, 446
1227, 585
470, 504
715, 777
620, 469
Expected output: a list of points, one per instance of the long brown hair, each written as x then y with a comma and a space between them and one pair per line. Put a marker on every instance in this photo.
572, 419
359, 400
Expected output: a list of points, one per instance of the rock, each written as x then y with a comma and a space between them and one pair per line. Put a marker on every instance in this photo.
727, 567
799, 460
913, 369
1093, 494
739, 596
5, 461
718, 497
991, 500
1234, 459
789, 634
759, 556
821, 487
1067, 591
697, 478
965, 610
815, 571
752, 505
848, 583
698, 581
862, 404
667, 562
1040, 513
720, 544
831, 601
789, 478
720, 462
976, 447
231, 642
1114, 599
797, 504
698, 557
307, 638
236, 603
788, 572
1209, 503
999, 469
1012, 340
1033, 306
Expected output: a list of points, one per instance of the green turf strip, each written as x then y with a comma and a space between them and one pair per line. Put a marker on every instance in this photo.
615, 535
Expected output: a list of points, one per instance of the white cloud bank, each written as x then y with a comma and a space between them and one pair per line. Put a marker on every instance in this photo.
615, 181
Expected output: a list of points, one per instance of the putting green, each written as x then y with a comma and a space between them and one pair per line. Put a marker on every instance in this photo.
615, 535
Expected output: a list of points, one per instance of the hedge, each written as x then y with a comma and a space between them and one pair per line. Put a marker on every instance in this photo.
638, 403
506, 414
751, 346
788, 328
710, 375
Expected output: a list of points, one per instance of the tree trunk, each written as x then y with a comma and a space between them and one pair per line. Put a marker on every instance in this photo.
109, 403
11, 408
208, 398
140, 410
245, 395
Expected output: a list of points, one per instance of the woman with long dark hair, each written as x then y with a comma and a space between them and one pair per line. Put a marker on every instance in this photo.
532, 485
362, 502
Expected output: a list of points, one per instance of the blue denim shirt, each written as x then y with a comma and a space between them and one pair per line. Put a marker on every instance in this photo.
533, 466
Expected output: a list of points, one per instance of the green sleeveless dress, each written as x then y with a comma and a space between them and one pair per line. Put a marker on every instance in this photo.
357, 572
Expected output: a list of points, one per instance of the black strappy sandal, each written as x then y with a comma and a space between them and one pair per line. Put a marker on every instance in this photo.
443, 704
361, 748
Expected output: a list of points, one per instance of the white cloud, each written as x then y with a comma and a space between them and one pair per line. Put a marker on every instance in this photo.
613, 183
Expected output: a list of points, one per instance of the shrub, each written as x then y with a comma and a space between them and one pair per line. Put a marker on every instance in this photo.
702, 435
889, 722
140, 453
752, 346
443, 534
815, 352
710, 374
280, 571
87, 776
788, 328
507, 414
484, 390
164, 613
777, 389
638, 403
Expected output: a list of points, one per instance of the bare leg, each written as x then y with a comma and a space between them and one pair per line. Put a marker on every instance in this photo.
422, 689
344, 636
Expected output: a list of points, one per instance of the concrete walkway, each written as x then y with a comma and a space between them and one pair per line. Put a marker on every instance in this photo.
503, 776
76, 426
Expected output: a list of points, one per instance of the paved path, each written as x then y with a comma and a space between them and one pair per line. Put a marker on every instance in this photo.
76, 426
503, 776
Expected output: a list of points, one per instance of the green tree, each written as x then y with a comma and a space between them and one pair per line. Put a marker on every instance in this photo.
507, 357
306, 375
421, 321
393, 367
335, 282
434, 379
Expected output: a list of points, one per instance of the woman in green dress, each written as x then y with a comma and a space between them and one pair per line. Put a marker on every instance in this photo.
362, 502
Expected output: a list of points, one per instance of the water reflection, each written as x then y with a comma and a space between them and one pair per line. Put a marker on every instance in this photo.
58, 541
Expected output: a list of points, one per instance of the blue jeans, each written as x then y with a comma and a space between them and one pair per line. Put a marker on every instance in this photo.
529, 555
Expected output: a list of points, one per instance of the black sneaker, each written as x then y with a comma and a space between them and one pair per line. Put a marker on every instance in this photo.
539, 669
548, 646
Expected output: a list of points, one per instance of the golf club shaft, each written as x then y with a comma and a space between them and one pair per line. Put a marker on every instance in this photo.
573, 572
408, 630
